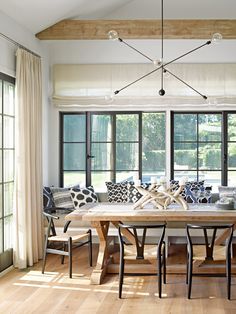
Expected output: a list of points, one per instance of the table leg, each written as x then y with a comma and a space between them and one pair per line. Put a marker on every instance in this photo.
99, 271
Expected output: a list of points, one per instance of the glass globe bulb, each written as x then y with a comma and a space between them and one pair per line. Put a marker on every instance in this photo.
113, 35
216, 38
166, 74
158, 62
212, 101
109, 97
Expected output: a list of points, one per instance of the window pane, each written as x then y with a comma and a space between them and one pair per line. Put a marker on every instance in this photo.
103, 156
127, 156
231, 178
8, 237
0, 203
146, 177
231, 127
101, 128
127, 127
231, 156
192, 175
8, 198
209, 127
9, 107
126, 176
71, 178
8, 132
74, 156
185, 156
153, 157
99, 179
210, 156
1, 178
185, 127
212, 178
74, 128
8, 165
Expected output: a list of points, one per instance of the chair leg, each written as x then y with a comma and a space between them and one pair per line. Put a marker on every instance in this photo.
159, 276
190, 274
187, 269
90, 248
44, 255
121, 276
70, 256
63, 256
228, 275
164, 264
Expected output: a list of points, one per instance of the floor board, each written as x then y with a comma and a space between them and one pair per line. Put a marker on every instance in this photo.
28, 291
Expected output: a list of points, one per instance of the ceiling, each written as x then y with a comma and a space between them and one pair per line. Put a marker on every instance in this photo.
39, 14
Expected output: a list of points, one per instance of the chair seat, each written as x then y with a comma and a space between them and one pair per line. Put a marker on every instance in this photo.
64, 237
150, 252
199, 252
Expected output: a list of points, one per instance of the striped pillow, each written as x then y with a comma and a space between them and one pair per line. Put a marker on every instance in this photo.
62, 198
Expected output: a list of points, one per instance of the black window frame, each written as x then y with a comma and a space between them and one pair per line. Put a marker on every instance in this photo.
113, 114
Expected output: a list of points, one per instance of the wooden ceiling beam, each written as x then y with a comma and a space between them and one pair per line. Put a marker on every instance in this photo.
139, 29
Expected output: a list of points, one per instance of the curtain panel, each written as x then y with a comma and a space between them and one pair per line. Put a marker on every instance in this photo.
28, 228
86, 85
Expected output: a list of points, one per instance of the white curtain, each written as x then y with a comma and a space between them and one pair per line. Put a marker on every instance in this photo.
28, 228
86, 85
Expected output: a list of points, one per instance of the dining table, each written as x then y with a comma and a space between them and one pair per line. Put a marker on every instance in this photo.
102, 216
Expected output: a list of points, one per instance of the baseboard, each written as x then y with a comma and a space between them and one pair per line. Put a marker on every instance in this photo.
5, 271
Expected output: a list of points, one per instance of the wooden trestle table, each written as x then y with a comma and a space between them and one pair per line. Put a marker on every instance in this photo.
102, 215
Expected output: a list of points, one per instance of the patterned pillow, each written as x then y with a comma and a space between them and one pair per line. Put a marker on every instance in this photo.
82, 196
62, 198
117, 192
227, 191
133, 193
189, 185
198, 194
48, 201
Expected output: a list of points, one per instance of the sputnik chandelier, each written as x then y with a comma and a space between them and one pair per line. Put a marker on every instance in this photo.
160, 64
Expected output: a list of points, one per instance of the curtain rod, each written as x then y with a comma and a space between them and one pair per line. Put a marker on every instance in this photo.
12, 41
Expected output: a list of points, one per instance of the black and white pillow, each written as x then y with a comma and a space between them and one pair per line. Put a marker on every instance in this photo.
117, 192
133, 193
62, 198
83, 196
190, 185
48, 201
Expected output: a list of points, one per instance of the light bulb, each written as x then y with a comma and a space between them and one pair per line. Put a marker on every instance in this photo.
158, 62
113, 35
216, 38
166, 74
109, 97
211, 101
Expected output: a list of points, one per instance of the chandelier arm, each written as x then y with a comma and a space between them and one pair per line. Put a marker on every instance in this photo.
178, 78
139, 79
187, 53
125, 43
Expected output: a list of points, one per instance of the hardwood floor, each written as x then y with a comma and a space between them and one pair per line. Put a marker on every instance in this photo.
29, 291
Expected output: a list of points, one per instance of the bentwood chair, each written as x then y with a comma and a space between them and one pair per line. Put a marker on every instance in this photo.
208, 251
62, 244
142, 251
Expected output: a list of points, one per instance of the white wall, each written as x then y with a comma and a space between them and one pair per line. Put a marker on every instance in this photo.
7, 65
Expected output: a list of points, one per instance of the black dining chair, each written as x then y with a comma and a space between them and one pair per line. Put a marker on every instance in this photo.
209, 251
62, 244
141, 250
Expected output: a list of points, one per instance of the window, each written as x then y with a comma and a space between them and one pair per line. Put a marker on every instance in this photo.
7, 153
197, 146
99, 147
231, 149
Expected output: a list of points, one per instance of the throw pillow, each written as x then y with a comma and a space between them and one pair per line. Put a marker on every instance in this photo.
117, 192
133, 193
227, 191
198, 194
62, 198
82, 196
48, 201
189, 185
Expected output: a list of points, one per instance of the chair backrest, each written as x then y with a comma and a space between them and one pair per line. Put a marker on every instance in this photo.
51, 230
140, 239
209, 239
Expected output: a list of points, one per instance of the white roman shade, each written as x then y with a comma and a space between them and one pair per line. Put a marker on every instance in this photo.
86, 85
